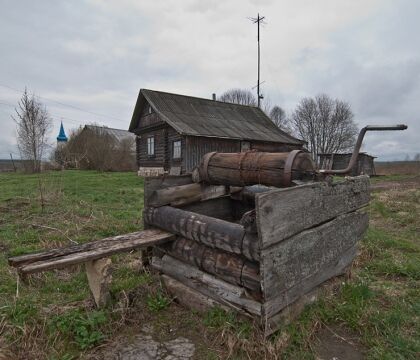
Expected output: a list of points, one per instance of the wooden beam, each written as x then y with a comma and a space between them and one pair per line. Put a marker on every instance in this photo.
152, 184
207, 230
142, 239
232, 268
234, 297
186, 194
189, 297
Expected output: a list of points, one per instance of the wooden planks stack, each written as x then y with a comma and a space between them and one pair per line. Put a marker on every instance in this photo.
270, 257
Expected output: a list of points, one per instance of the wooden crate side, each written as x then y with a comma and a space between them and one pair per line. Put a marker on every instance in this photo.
296, 265
285, 212
291, 312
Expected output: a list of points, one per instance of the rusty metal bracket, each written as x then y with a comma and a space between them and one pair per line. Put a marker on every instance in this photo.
287, 175
240, 162
204, 173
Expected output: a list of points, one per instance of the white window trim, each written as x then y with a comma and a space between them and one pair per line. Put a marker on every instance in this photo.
178, 147
151, 145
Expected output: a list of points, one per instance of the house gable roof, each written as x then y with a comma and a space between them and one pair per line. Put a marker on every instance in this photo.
204, 117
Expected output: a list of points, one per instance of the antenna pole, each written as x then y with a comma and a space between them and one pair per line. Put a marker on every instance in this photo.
258, 20
258, 81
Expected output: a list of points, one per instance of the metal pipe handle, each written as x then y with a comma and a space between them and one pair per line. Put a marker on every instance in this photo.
358, 145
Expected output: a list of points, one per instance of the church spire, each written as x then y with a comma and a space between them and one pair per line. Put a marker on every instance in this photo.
62, 135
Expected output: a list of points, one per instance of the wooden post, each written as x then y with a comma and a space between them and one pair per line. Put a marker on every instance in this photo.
99, 277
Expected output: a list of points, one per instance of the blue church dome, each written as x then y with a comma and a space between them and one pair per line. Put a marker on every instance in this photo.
62, 135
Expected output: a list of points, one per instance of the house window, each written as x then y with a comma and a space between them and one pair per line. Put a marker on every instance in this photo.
149, 110
151, 146
177, 149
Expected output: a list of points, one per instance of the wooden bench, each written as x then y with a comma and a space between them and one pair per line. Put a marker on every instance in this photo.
95, 255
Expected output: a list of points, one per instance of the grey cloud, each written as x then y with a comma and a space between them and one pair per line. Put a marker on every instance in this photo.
96, 55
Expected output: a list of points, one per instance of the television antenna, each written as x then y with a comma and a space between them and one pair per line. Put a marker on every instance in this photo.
258, 20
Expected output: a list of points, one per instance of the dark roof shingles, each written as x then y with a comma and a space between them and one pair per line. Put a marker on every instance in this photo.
204, 117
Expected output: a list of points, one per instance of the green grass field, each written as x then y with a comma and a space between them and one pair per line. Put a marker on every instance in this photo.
53, 317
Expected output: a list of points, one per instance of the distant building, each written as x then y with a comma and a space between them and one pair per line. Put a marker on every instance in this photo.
175, 131
117, 134
364, 166
100, 148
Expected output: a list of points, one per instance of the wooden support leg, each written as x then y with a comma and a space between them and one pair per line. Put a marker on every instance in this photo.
99, 277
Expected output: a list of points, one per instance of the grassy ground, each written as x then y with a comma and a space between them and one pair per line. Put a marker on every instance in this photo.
52, 317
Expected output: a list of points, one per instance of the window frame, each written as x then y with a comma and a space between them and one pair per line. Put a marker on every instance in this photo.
150, 142
178, 147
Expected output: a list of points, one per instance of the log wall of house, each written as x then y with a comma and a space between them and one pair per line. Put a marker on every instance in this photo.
197, 146
170, 161
158, 159
272, 147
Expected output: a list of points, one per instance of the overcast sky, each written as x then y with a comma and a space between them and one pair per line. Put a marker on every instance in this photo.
96, 55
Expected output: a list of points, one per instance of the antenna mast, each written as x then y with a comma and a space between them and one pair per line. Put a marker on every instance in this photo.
259, 19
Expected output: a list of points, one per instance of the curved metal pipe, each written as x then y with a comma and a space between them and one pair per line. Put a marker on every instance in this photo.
358, 145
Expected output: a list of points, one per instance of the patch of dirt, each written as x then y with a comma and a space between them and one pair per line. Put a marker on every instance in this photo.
337, 343
15, 204
407, 183
3, 247
147, 346
144, 347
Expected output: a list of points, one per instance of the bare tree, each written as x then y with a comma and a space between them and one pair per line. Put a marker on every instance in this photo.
278, 116
326, 124
239, 96
33, 124
93, 148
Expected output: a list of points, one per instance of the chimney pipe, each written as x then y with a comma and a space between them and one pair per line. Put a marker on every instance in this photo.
214, 96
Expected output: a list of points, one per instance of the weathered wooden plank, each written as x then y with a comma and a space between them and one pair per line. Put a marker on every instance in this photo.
285, 212
294, 266
188, 297
54, 253
335, 268
186, 194
232, 268
234, 297
207, 230
143, 239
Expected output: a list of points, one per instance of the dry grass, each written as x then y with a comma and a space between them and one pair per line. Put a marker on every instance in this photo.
378, 304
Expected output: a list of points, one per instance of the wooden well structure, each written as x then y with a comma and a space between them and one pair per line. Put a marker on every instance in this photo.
262, 251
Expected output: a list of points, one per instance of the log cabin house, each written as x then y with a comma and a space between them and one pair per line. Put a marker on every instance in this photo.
175, 131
